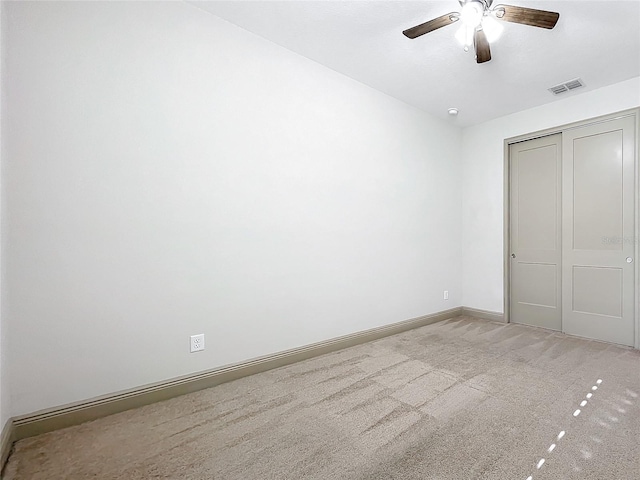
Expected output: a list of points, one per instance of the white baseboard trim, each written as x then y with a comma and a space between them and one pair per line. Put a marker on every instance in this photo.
484, 314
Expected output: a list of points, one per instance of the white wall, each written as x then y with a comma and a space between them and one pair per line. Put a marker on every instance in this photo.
482, 181
4, 391
170, 174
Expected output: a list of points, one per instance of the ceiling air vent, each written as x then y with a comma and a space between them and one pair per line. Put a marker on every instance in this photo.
567, 86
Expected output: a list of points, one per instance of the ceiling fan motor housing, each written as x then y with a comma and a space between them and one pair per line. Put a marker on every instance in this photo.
471, 14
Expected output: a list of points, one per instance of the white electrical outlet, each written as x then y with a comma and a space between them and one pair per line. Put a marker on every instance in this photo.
446, 294
197, 343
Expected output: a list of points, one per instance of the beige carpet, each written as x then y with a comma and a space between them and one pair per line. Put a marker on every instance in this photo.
460, 399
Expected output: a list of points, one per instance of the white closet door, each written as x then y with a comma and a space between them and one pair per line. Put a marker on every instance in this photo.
535, 229
598, 231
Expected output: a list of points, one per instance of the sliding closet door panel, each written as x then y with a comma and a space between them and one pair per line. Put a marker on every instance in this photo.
535, 229
598, 231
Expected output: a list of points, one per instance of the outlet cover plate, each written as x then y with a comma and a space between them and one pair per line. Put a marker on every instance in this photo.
197, 343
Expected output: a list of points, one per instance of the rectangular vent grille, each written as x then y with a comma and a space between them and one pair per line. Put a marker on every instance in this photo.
567, 86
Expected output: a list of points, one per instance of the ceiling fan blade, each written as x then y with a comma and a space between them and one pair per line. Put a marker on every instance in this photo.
527, 16
483, 52
432, 25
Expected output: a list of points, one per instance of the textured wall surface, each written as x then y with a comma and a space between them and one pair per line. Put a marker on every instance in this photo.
170, 174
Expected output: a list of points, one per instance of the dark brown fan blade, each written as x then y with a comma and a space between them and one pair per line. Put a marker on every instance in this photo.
483, 52
527, 16
432, 25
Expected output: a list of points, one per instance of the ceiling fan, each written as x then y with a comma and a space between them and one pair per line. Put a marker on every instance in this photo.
479, 25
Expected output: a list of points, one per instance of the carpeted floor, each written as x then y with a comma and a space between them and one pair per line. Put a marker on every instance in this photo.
459, 399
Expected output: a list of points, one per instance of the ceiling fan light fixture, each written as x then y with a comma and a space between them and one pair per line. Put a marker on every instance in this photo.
492, 28
464, 35
479, 26
471, 13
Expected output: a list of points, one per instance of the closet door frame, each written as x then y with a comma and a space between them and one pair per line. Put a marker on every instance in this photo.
635, 113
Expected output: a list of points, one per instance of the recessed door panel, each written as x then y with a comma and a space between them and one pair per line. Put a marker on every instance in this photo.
537, 199
597, 291
540, 289
597, 191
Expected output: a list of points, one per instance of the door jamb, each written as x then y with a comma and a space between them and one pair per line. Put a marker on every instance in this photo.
635, 113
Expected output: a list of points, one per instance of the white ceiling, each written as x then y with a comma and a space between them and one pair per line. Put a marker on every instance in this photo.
598, 41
